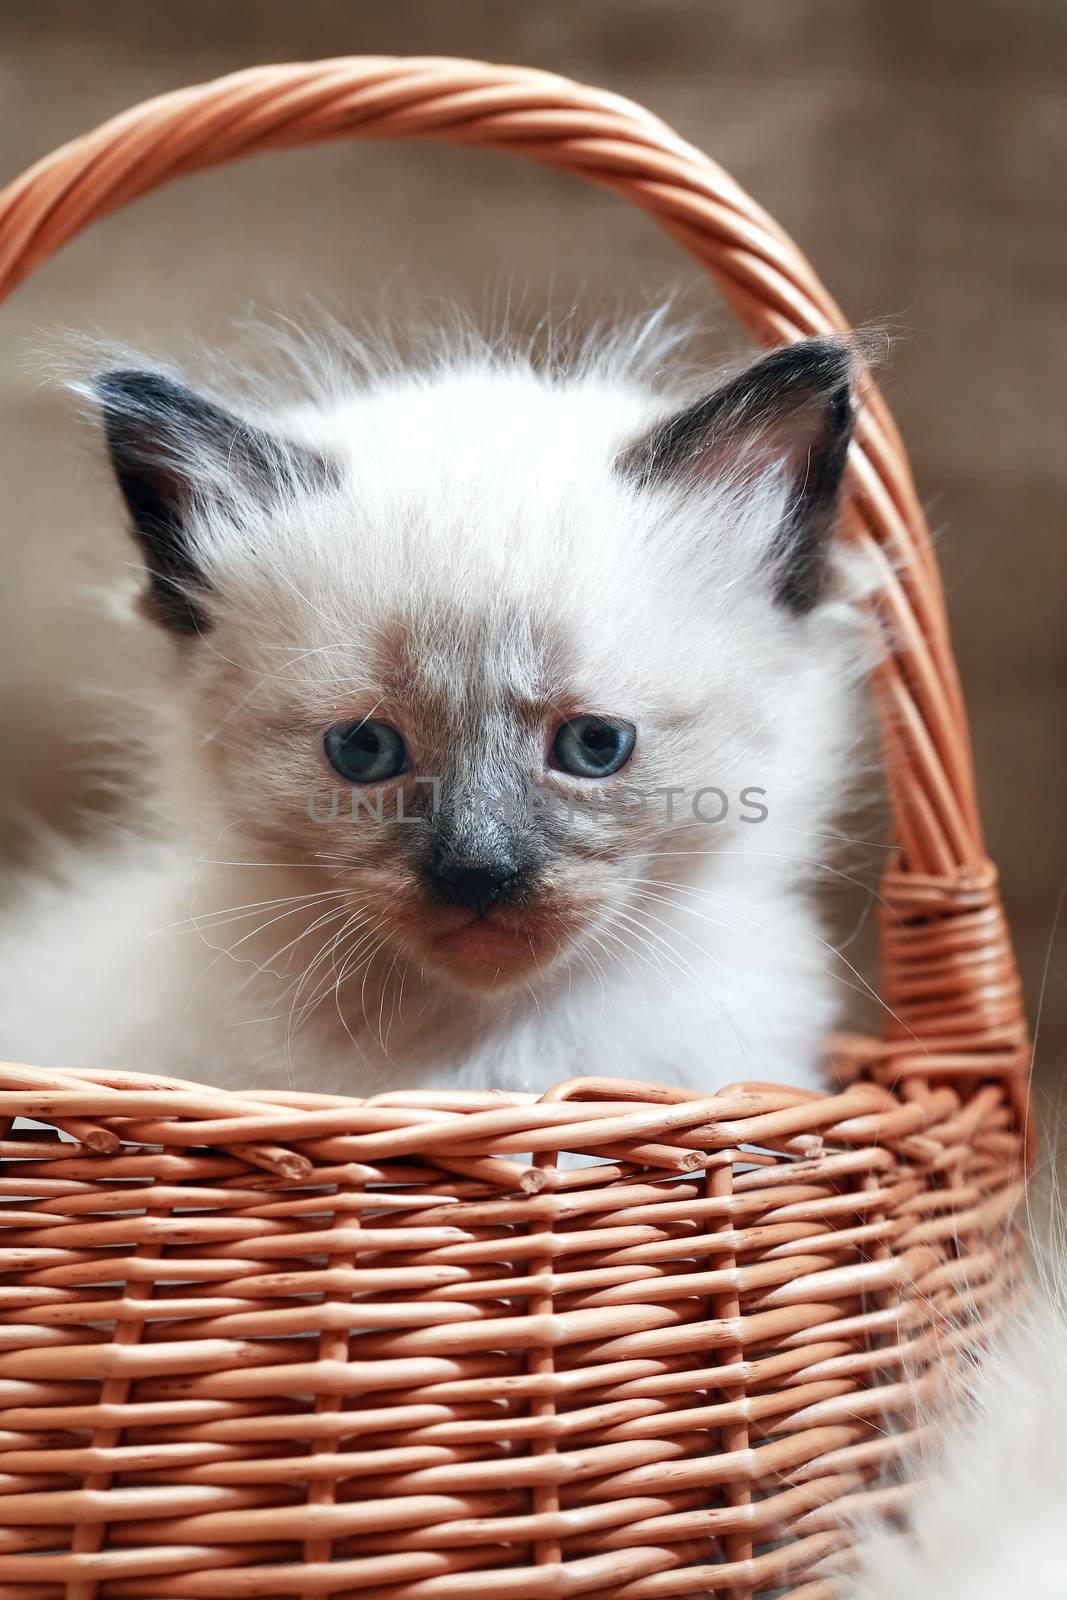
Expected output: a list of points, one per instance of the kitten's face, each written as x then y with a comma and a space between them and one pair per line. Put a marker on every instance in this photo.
476, 651
486, 809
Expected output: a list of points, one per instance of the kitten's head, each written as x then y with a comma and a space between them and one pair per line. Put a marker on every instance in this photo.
490, 647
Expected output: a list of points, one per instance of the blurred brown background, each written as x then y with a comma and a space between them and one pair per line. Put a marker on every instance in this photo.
916, 152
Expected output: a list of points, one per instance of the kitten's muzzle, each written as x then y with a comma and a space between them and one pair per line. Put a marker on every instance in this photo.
476, 884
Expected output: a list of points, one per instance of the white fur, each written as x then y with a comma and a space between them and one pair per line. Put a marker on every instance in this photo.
480, 510
988, 1520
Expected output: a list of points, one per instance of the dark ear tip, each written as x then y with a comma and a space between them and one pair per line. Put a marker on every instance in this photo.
826, 362
135, 389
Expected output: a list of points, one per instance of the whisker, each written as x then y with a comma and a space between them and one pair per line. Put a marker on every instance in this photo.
304, 904
721, 1006
235, 913
772, 855
864, 987
323, 921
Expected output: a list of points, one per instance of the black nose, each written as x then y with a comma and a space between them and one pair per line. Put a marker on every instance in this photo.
475, 884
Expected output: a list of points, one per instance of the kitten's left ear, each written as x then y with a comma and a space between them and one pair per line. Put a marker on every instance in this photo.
177, 454
790, 413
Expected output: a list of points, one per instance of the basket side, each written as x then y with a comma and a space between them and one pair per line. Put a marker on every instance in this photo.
950, 979
293, 1344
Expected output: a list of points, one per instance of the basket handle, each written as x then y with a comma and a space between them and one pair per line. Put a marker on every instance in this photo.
949, 971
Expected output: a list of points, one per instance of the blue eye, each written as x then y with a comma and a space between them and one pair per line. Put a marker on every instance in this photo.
593, 747
365, 752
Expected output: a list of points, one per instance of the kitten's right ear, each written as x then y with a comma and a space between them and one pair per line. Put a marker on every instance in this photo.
175, 452
790, 414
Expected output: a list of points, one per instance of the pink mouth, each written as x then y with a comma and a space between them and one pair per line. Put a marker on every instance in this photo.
489, 950
477, 934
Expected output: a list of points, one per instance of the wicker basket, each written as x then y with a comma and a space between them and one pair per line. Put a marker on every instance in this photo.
293, 1345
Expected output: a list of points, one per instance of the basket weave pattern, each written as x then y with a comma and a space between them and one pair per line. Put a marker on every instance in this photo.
292, 1345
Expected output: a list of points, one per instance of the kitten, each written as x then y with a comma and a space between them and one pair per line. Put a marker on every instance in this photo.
506, 713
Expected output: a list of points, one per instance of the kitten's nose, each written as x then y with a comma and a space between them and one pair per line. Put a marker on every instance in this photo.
477, 884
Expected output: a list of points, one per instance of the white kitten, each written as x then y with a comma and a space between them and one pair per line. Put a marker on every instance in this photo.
467, 663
